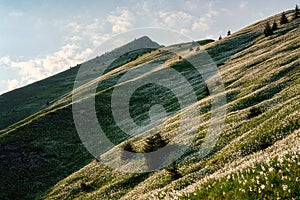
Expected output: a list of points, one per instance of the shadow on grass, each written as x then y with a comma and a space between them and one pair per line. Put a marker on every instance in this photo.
222, 51
37, 156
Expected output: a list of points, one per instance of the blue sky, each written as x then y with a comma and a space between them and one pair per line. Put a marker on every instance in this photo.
39, 38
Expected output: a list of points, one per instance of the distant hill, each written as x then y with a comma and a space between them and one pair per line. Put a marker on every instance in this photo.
256, 157
204, 42
23, 102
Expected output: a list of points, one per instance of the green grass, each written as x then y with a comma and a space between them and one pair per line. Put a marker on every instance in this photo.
275, 177
21, 103
204, 42
44, 148
255, 158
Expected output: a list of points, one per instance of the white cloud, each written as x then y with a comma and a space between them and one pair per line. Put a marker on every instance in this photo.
85, 33
185, 22
15, 14
200, 25
209, 36
74, 26
29, 70
80, 38
211, 11
227, 12
172, 19
184, 31
83, 55
190, 5
120, 21
36, 69
144, 7
261, 14
243, 4
12, 84
203, 23
66, 51
75, 38
5, 60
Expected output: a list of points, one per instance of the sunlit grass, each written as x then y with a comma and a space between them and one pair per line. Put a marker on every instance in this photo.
255, 157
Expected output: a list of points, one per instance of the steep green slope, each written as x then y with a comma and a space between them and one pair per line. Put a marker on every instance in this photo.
23, 102
44, 148
258, 72
257, 155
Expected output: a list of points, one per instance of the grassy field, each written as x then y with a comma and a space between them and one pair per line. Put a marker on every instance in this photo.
257, 155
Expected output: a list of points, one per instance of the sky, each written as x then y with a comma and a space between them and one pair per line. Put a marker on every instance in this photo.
40, 38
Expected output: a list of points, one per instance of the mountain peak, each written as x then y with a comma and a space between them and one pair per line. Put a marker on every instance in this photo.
146, 42
139, 43
145, 38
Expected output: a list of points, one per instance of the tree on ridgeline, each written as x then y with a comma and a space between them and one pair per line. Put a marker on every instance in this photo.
274, 26
283, 19
296, 12
228, 33
206, 90
220, 38
268, 30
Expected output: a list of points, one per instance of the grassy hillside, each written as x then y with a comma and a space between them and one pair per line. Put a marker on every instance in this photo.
44, 147
20, 103
23, 102
257, 155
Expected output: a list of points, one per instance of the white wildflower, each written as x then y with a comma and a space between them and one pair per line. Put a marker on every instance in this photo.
271, 169
284, 187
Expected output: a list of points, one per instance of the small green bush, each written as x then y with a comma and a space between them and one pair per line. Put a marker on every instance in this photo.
173, 171
154, 143
86, 187
127, 146
254, 112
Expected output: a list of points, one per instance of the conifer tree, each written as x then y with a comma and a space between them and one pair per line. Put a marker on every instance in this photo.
173, 171
283, 19
274, 26
154, 143
206, 90
228, 33
220, 38
296, 12
127, 146
268, 31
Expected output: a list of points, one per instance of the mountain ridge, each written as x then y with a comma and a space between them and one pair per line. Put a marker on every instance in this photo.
64, 81
259, 72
